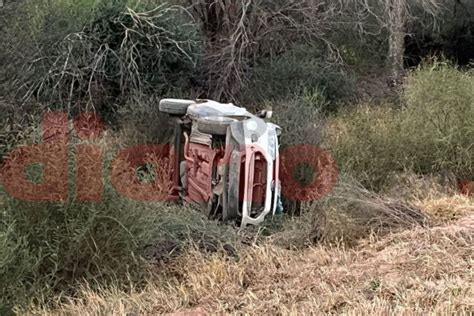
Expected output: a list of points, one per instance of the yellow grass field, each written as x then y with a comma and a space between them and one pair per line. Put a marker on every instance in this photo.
419, 271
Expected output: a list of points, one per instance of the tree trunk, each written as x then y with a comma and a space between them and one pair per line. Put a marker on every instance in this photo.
397, 15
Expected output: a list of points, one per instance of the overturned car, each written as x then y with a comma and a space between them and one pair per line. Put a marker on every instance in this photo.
226, 160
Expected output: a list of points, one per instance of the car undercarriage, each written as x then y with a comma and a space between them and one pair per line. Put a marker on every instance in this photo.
227, 160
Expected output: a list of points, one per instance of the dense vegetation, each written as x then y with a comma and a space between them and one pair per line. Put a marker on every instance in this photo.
331, 75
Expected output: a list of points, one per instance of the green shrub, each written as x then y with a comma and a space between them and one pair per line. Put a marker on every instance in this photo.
50, 247
301, 118
297, 70
16, 128
47, 250
432, 133
32, 28
363, 144
139, 121
51, 21
438, 120
106, 51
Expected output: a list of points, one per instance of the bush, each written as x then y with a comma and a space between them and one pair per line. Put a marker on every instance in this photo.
15, 127
36, 27
363, 144
301, 118
296, 71
438, 120
48, 249
433, 131
109, 53
139, 121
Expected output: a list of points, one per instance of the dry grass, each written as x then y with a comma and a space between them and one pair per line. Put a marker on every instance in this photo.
448, 208
393, 264
348, 214
437, 196
411, 269
412, 272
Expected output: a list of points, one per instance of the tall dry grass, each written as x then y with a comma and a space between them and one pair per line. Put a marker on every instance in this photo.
348, 214
417, 271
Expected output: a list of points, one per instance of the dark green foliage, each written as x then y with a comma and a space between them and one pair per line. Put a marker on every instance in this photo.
301, 118
100, 53
301, 69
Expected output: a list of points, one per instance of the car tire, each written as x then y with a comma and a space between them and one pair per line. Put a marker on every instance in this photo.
215, 125
175, 106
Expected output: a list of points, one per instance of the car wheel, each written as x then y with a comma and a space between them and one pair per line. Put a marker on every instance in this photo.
175, 106
216, 125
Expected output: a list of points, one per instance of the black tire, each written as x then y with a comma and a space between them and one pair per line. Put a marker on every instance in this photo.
215, 125
175, 106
